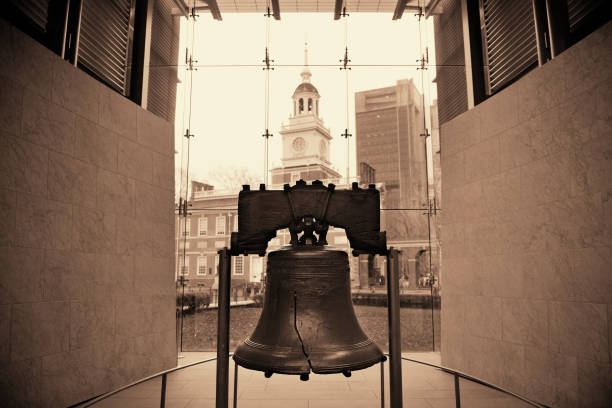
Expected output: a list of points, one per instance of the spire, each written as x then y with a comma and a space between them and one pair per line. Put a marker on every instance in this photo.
306, 71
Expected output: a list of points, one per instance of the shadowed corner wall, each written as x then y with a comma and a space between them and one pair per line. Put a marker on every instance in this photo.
527, 232
86, 232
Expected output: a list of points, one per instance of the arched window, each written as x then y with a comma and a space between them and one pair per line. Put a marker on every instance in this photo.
309, 104
301, 106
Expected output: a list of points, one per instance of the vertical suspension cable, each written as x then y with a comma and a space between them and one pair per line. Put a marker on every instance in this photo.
189, 60
267, 69
346, 68
424, 60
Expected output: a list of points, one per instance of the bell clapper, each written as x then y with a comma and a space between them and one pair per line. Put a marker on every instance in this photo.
267, 374
304, 377
346, 373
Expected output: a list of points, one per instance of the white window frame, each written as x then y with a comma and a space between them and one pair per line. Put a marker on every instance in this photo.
202, 263
218, 221
238, 259
236, 223
184, 265
216, 264
202, 226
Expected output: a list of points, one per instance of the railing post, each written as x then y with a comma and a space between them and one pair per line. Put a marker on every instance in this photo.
162, 402
457, 393
395, 336
382, 384
223, 328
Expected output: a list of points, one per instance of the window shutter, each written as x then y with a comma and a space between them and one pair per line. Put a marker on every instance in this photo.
103, 42
509, 40
35, 10
581, 11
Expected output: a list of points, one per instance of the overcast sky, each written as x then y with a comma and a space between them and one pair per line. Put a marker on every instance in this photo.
227, 114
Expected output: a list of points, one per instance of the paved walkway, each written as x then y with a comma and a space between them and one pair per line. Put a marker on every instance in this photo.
423, 387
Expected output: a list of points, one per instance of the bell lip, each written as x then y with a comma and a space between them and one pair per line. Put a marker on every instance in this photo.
276, 370
327, 370
352, 367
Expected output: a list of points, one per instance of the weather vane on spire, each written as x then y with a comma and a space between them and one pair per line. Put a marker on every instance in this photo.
306, 74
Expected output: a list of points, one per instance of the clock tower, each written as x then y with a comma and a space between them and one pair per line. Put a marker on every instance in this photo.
305, 138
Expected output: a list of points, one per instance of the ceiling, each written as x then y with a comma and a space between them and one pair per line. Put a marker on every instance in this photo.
219, 7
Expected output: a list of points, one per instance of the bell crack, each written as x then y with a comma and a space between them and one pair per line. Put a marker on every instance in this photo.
298, 332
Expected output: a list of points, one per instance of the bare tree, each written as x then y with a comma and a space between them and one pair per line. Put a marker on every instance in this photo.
232, 178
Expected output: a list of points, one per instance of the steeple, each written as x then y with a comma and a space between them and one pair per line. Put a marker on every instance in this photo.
306, 71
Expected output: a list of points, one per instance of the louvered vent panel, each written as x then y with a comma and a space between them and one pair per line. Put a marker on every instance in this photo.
580, 11
164, 54
450, 57
103, 43
509, 40
36, 10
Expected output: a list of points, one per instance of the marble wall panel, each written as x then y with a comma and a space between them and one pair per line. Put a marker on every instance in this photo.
134, 237
69, 233
135, 161
95, 144
20, 280
524, 322
483, 316
162, 235
454, 171
24, 165
20, 383
47, 124
479, 353
71, 181
592, 378
579, 329
91, 322
514, 371
457, 134
43, 223
591, 166
93, 231
539, 376
155, 133
453, 236
482, 159
117, 113
29, 63
39, 329
76, 91
5, 334
115, 193
11, 107
584, 64
545, 258
163, 171
541, 90
500, 113
8, 217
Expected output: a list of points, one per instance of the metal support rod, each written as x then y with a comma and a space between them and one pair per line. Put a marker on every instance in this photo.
382, 384
235, 384
162, 402
457, 393
395, 335
223, 323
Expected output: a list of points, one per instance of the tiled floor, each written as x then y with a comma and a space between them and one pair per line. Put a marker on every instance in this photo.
423, 387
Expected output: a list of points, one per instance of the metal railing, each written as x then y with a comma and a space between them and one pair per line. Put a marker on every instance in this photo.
456, 374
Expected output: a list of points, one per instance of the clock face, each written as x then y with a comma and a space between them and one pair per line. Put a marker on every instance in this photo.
299, 144
323, 148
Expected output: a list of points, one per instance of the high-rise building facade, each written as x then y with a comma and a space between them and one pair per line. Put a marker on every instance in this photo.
390, 145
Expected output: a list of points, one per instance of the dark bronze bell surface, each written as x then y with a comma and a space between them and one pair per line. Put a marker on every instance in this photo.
308, 322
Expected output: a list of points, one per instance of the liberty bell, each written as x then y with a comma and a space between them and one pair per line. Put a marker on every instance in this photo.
308, 322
